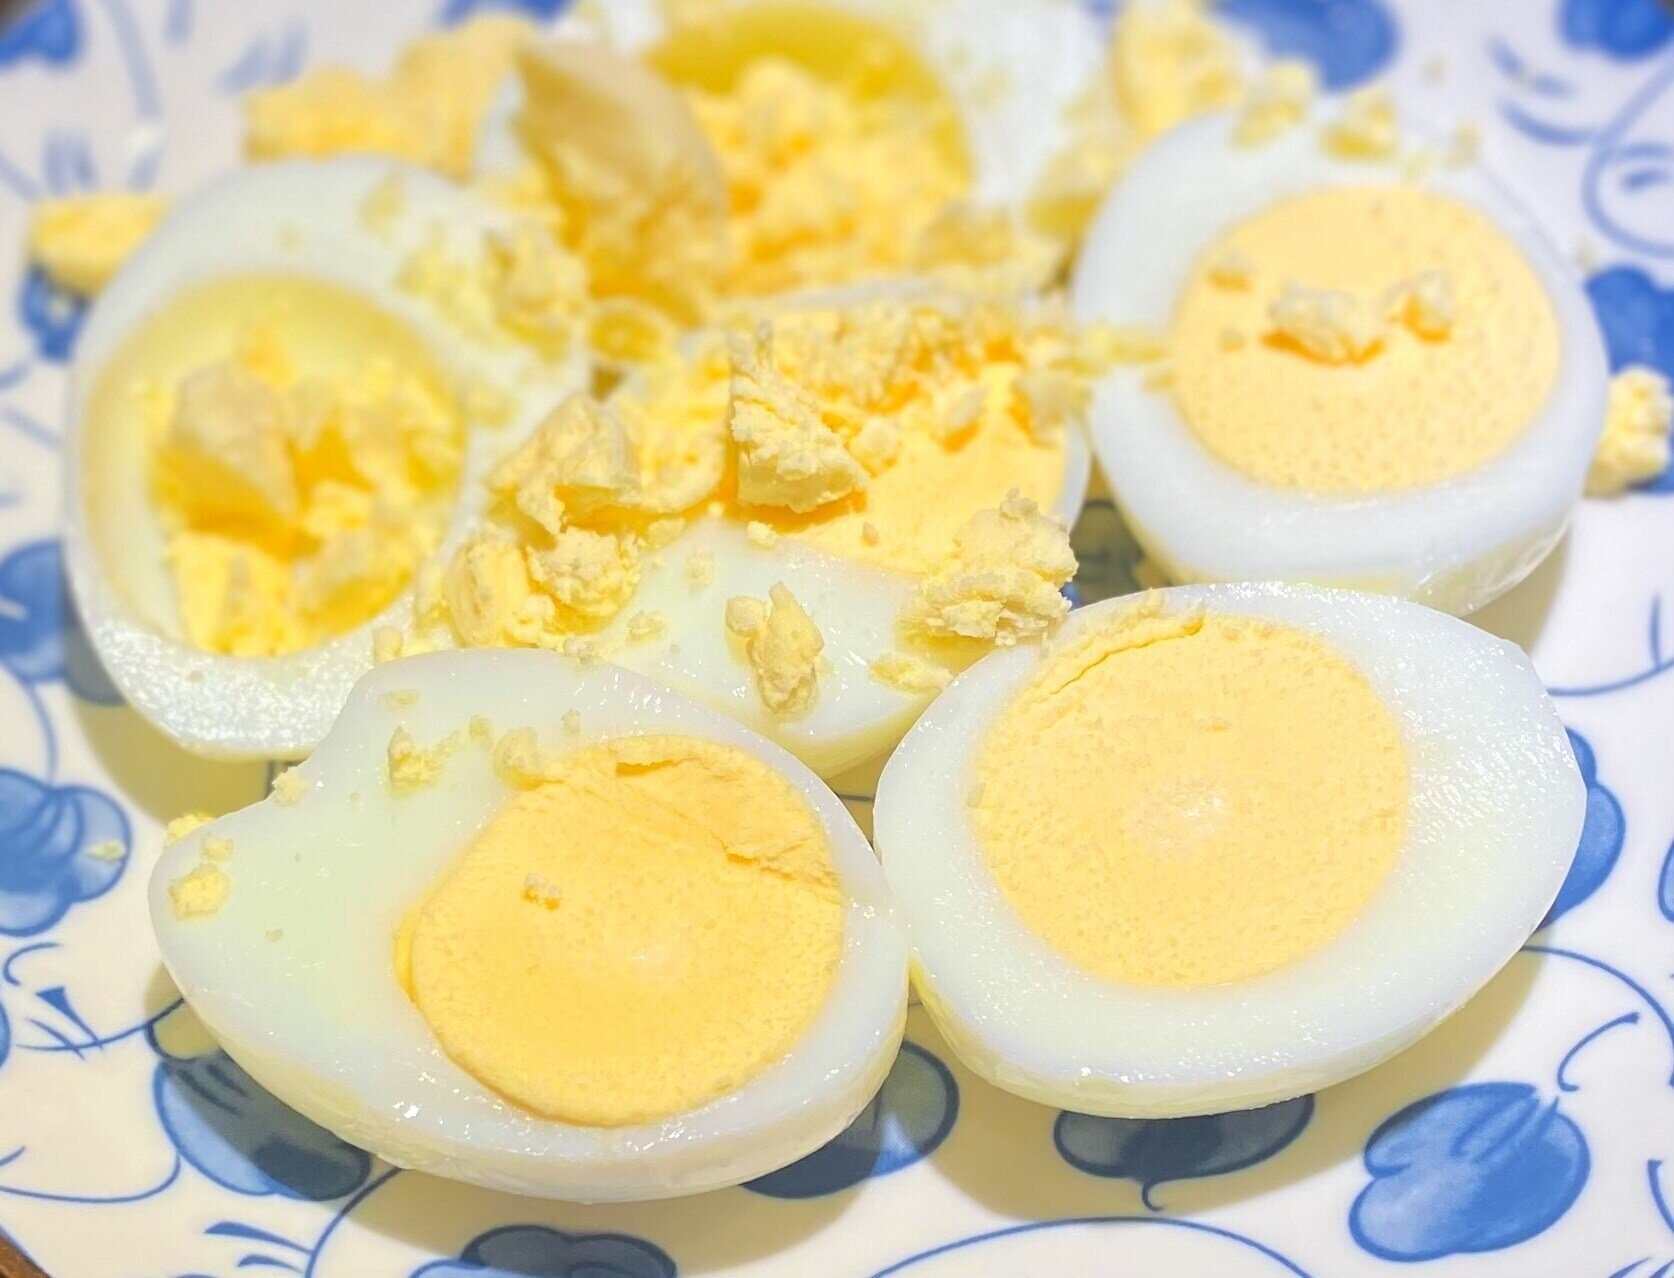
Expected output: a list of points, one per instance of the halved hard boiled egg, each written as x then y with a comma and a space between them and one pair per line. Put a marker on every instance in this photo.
1382, 376
282, 405
1219, 846
552, 930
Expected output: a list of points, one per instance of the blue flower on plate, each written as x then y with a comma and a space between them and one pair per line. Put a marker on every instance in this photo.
236, 1133
59, 846
1637, 317
50, 314
535, 1251
456, 11
49, 31
1472, 1169
1602, 835
1348, 41
907, 1120
41, 638
1621, 29
1154, 1150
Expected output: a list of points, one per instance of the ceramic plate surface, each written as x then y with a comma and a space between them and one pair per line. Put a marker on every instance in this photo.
1532, 1135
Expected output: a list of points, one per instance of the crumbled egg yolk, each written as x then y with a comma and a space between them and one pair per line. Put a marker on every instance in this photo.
783, 646
81, 241
1367, 128
1635, 443
200, 892
300, 477
1396, 338
681, 897
1277, 102
429, 109
182, 825
1169, 843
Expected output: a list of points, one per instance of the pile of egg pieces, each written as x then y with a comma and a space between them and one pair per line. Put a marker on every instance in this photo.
1214, 746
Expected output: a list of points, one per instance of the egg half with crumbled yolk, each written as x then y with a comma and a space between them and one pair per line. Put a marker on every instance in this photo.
1218, 846
1381, 374
810, 523
551, 930
283, 405
761, 148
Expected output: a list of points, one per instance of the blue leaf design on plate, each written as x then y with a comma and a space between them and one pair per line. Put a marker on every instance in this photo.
41, 637
535, 1251
1602, 835
59, 846
242, 1137
1348, 41
50, 314
1621, 29
49, 31
1471, 1169
457, 11
907, 1120
1154, 1150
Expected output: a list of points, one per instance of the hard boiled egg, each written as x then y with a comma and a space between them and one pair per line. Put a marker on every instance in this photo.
718, 984
1219, 846
281, 405
1383, 375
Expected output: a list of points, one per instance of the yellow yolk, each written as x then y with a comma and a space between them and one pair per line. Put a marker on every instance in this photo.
429, 109
1389, 337
840, 148
304, 451
1189, 800
82, 241
1635, 443
648, 927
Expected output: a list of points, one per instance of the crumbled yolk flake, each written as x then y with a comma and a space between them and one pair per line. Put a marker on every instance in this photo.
216, 848
1004, 580
910, 673
200, 892
184, 824
1367, 128
289, 787
81, 241
1169, 843
1169, 62
303, 451
615, 866
1276, 103
429, 110
783, 646
413, 767
1635, 443
1397, 338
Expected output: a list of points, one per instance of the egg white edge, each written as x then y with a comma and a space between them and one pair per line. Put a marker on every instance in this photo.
245, 990
1453, 545
1464, 894
279, 707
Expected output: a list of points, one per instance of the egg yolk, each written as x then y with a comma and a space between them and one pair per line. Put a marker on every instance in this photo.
303, 449
647, 927
840, 148
1362, 339
1187, 800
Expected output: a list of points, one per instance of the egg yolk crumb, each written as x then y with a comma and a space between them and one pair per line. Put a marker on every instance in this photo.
182, 825
1635, 443
783, 646
682, 935
1398, 339
302, 477
81, 241
428, 110
1224, 795
200, 892
1367, 127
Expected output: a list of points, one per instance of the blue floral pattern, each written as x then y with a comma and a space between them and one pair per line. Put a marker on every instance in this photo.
1602, 834
41, 637
53, 316
48, 32
59, 846
1348, 41
535, 1251
455, 11
230, 1129
1623, 29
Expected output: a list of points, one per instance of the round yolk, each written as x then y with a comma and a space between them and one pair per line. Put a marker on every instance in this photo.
1191, 800
839, 146
302, 449
646, 930
1423, 403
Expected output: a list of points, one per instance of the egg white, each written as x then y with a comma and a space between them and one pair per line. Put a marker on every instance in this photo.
316, 1016
1496, 809
303, 219
1013, 69
1452, 545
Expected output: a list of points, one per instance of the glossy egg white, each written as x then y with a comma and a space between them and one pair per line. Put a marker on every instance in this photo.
1452, 545
316, 1016
1013, 70
297, 218
1496, 809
